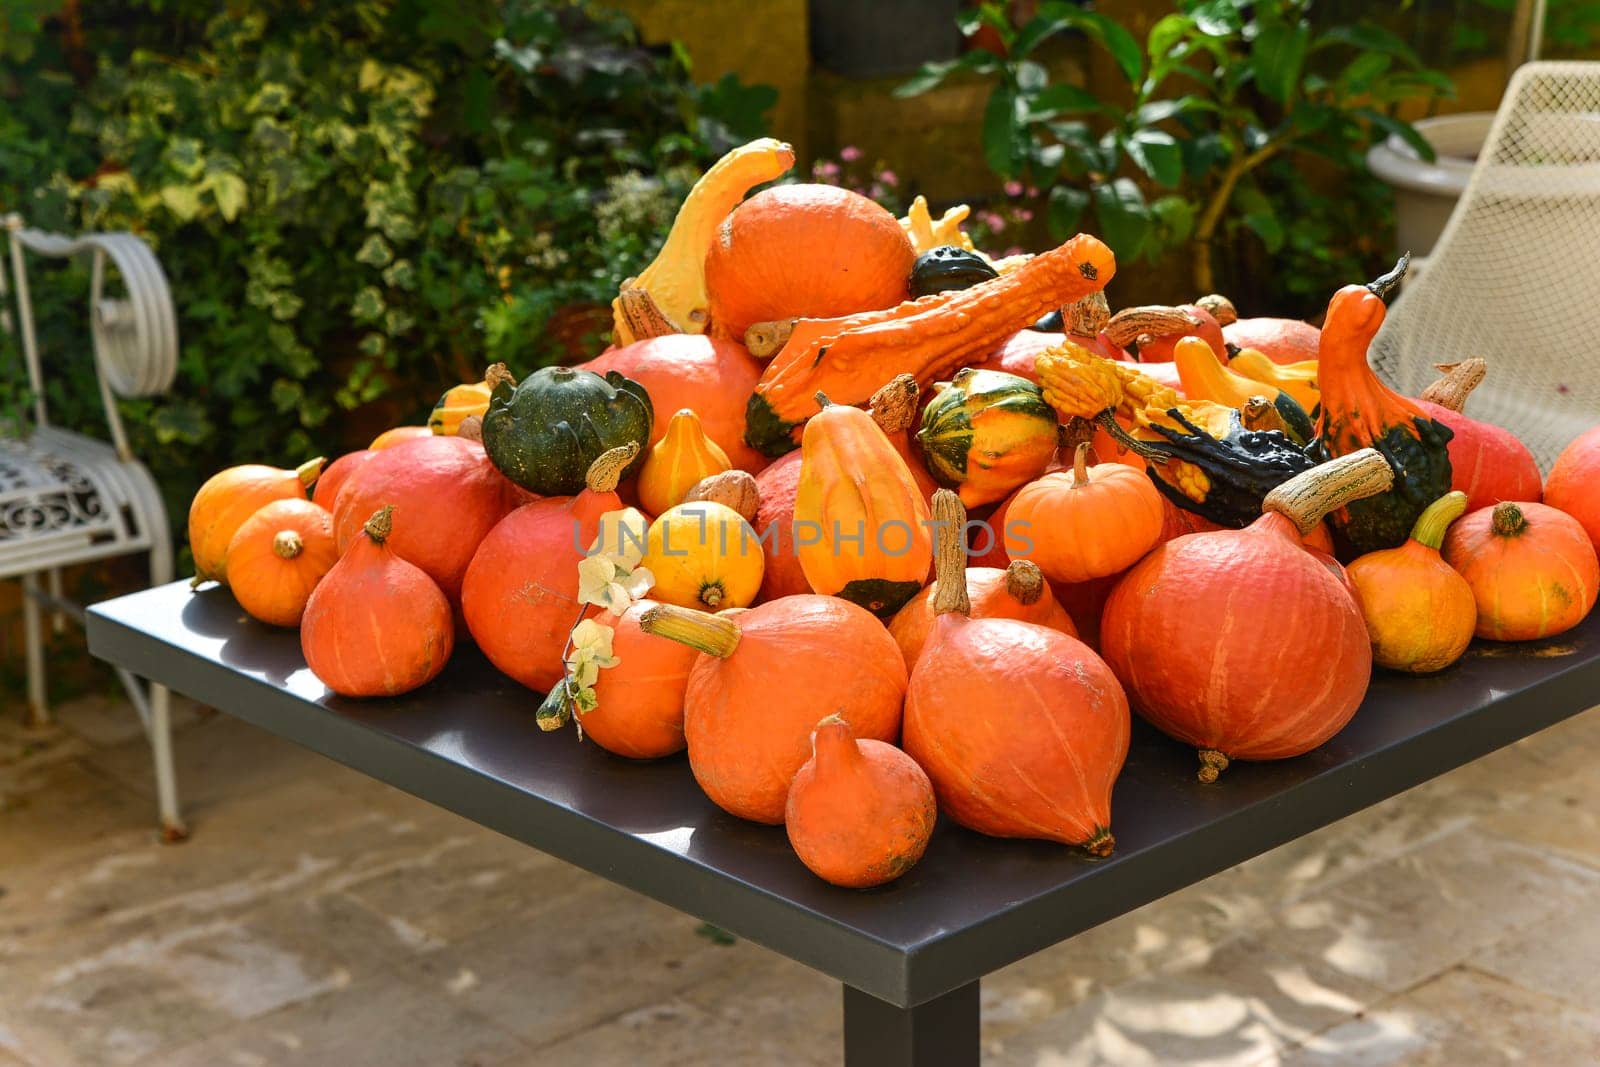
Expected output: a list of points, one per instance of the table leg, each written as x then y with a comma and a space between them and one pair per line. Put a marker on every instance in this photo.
940, 1033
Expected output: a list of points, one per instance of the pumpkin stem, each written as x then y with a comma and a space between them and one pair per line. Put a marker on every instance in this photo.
1152, 320
1080, 465
286, 544
1212, 763
1384, 284
894, 407
471, 428
642, 315
1460, 379
606, 471
1309, 496
309, 471
822, 400
496, 374
714, 635
1101, 842
1436, 519
1259, 413
1508, 520
766, 339
1220, 307
833, 744
1087, 317
950, 554
381, 523
1024, 582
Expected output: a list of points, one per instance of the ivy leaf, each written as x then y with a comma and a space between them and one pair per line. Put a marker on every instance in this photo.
368, 305
182, 200
230, 193
1124, 216
1065, 210
374, 252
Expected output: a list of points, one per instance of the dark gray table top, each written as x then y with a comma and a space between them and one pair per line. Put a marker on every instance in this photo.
468, 742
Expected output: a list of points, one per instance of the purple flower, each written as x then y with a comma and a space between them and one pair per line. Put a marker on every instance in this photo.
849, 153
888, 177
1013, 188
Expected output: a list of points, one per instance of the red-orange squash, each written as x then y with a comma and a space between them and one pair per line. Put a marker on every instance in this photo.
446, 494
1017, 592
1487, 462
712, 376
805, 251
859, 813
326, 492
1280, 340
376, 625
1087, 524
1022, 728
1532, 569
231, 496
1572, 485
278, 557
639, 703
752, 699
520, 592
777, 485
400, 435
1240, 642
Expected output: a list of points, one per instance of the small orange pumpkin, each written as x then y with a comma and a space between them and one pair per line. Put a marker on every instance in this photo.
326, 492
639, 703
278, 557
859, 813
1531, 568
228, 498
399, 435
1088, 524
1017, 592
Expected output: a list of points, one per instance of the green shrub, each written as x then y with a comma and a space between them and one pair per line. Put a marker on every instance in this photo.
356, 204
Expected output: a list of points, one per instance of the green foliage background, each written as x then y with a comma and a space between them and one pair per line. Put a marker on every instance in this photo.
356, 204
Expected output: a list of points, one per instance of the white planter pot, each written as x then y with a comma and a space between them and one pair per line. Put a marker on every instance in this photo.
1425, 193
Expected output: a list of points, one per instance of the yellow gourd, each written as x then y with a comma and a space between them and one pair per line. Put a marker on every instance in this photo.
704, 555
1299, 380
1205, 378
459, 402
669, 296
678, 462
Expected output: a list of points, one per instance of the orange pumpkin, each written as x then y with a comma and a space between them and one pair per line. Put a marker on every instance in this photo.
752, 699
230, 497
1022, 729
1420, 613
777, 485
805, 251
1532, 569
326, 492
639, 702
376, 625
859, 813
278, 557
1280, 340
1571, 485
1017, 592
400, 435
1093, 522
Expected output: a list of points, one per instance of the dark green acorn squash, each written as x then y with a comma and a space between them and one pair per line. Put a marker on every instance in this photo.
545, 432
939, 270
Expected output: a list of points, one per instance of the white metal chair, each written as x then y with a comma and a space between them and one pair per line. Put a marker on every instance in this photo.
67, 499
1515, 277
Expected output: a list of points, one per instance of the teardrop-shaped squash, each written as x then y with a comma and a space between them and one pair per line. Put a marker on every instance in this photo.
1420, 613
228, 498
678, 461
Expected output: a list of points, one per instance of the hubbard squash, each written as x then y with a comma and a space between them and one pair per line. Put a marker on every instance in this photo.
804, 251
1532, 569
1487, 462
1184, 629
928, 338
638, 710
228, 498
1090, 523
278, 556
546, 432
376, 625
1021, 728
753, 697
703, 555
1359, 411
669, 296
860, 520
520, 593
985, 433
1420, 613
1572, 482
859, 813
678, 462
1017, 592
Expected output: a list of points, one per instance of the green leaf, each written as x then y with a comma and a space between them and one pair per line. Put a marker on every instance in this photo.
1406, 132
1162, 110
230, 193
1217, 18
1116, 40
1002, 139
1051, 20
1056, 99
1278, 55
1358, 74
1369, 38
930, 75
1124, 217
374, 252
1031, 77
1167, 32
368, 305
182, 200
1176, 217
1064, 210
1157, 154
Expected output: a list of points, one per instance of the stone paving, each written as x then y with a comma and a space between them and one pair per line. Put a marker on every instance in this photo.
317, 917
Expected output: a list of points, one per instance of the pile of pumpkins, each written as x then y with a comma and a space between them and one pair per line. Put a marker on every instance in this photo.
925, 527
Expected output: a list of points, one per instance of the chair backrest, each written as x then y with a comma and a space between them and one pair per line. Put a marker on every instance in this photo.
1515, 277
135, 337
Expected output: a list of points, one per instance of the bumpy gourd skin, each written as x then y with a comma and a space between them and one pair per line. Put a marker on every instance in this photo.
1418, 451
1240, 468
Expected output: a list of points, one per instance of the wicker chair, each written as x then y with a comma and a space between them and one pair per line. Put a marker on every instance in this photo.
67, 499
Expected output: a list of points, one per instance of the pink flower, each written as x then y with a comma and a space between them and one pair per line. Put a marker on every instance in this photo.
1013, 188
825, 168
1024, 215
992, 220
1012, 251
877, 192
849, 153
888, 177
1033, 192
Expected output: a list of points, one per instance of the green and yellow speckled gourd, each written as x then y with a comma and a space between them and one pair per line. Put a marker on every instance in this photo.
986, 432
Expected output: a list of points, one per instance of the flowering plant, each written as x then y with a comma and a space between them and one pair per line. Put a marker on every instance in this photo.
849, 171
